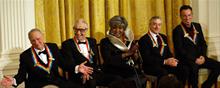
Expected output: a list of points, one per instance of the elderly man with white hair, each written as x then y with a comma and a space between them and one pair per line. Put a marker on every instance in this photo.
80, 55
39, 65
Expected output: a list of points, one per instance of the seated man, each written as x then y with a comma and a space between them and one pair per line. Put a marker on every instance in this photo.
154, 49
80, 52
38, 64
190, 48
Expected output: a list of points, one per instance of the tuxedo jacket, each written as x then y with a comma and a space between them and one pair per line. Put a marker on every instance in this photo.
33, 71
113, 62
74, 57
153, 57
186, 49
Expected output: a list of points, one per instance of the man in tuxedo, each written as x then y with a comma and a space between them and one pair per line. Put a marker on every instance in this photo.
80, 52
39, 65
190, 48
154, 49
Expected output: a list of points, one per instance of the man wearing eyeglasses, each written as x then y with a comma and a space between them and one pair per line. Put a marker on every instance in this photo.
80, 53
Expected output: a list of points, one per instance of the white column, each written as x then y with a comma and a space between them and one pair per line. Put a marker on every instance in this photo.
213, 28
16, 19
207, 12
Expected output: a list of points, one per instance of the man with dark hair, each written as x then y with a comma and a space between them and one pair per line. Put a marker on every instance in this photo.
190, 48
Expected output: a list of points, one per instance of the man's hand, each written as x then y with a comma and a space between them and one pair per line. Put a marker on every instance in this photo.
86, 70
171, 62
85, 78
200, 60
7, 82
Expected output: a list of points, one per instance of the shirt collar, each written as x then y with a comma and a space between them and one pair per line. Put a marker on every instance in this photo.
37, 50
80, 41
154, 35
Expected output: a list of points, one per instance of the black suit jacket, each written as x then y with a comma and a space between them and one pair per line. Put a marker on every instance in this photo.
113, 62
152, 59
34, 76
73, 57
187, 50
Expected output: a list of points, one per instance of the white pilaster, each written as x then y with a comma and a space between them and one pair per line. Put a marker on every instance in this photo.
16, 19
207, 12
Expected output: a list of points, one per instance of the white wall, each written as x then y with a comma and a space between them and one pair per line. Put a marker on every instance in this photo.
207, 12
16, 19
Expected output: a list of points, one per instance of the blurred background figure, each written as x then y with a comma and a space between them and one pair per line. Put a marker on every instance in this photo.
169, 81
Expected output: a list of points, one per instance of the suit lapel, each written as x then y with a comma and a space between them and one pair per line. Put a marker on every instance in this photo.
155, 45
186, 35
90, 51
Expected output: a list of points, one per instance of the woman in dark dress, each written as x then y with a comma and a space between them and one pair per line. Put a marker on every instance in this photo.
118, 50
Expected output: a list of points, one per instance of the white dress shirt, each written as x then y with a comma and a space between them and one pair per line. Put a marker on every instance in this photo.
84, 50
154, 36
42, 56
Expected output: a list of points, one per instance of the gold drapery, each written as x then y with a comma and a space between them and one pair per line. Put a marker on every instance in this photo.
56, 17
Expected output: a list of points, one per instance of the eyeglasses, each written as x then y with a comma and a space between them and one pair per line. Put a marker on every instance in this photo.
80, 30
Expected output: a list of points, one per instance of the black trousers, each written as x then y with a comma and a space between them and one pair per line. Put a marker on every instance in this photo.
212, 65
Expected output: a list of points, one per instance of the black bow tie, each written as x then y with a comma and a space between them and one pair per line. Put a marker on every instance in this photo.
81, 42
44, 52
